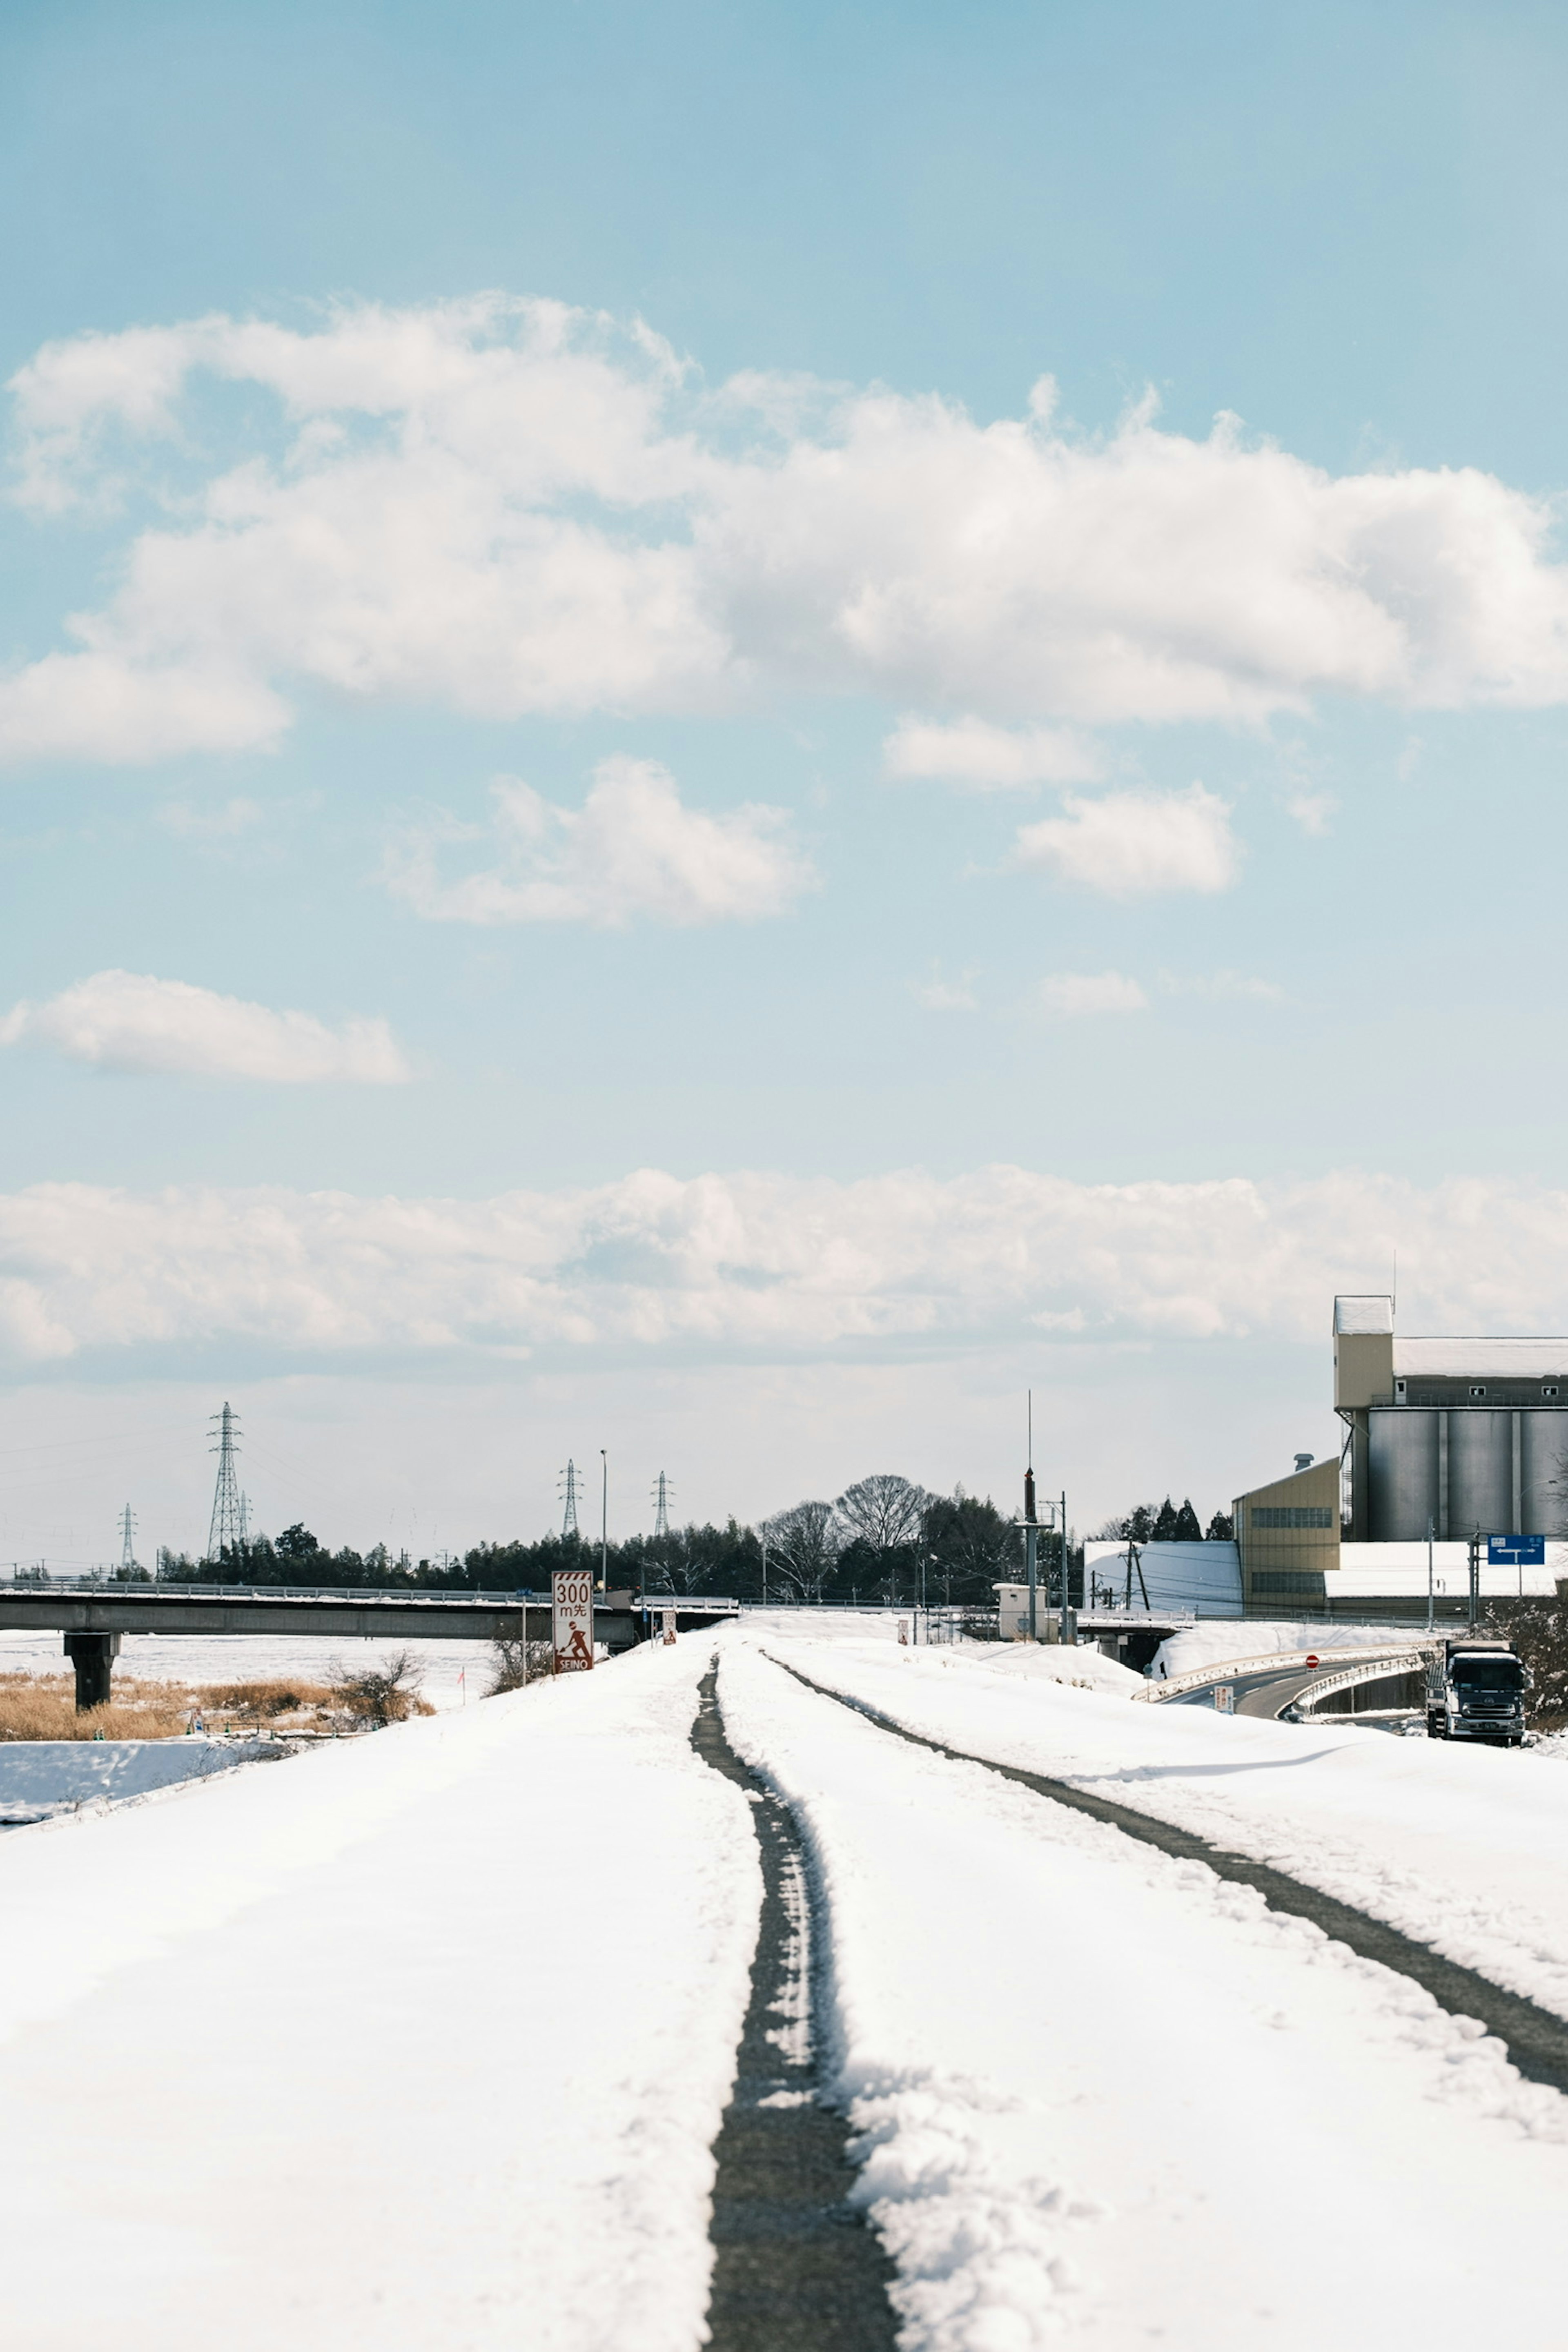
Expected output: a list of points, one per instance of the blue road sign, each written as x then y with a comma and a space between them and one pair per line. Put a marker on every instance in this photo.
1516, 1551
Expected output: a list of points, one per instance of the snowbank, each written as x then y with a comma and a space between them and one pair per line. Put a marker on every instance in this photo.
1084, 1668
421, 2040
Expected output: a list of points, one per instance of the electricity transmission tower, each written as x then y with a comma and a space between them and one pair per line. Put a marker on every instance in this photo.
661, 1494
227, 1527
128, 1539
567, 1485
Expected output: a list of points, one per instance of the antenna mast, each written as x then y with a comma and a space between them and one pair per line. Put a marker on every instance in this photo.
228, 1530
568, 1483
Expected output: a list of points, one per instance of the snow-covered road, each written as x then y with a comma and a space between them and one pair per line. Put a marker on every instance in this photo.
425, 2039
419, 2040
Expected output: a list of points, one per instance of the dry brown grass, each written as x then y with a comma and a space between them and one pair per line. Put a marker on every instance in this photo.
42, 1706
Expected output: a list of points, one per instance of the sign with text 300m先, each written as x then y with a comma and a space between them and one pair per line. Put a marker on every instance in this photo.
572, 1632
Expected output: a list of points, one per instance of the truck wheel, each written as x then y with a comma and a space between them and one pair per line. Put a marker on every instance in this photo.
1435, 1727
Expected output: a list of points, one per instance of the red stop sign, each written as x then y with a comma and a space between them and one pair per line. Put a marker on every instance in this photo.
1311, 1659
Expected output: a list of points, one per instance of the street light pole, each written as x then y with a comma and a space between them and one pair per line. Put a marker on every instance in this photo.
1031, 1534
1068, 1630
604, 1524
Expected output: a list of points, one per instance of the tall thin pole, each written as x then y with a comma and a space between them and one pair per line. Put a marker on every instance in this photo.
1031, 1536
604, 1524
1068, 1630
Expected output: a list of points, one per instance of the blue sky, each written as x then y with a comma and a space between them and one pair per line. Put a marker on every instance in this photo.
395, 628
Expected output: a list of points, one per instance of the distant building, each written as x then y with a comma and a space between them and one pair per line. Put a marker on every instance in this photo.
1446, 1439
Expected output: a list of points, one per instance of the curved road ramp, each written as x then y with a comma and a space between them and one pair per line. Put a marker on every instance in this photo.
1297, 1679
845, 1994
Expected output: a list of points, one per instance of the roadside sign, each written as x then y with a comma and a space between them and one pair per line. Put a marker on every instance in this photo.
1313, 1659
667, 1619
1516, 1551
904, 1632
1224, 1698
572, 1615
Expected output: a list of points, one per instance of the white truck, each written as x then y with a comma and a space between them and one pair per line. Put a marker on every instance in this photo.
1475, 1690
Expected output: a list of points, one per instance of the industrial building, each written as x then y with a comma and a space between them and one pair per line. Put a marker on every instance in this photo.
1446, 1440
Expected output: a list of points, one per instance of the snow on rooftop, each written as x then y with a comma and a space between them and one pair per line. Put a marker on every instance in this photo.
1363, 1318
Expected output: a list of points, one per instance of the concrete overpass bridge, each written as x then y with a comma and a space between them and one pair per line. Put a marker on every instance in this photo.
94, 1617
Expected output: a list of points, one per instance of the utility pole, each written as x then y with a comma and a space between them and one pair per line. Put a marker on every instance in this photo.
662, 1494
1069, 1623
1474, 1580
604, 1524
226, 1531
568, 1482
1431, 1585
128, 1540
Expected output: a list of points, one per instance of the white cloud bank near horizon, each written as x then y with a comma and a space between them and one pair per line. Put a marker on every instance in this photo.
633, 849
763, 1267
130, 1021
504, 505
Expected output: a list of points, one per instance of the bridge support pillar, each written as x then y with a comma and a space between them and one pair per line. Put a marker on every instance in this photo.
93, 1656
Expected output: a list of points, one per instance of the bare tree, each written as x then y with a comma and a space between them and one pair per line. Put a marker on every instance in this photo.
884, 1512
804, 1547
388, 1693
515, 1664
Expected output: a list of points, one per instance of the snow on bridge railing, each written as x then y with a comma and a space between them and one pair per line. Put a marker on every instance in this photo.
1228, 1669
1407, 1662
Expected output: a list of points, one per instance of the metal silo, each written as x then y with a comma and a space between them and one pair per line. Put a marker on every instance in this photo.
1402, 1474
1544, 1473
1480, 1472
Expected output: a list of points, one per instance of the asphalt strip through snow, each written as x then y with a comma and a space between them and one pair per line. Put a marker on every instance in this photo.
1537, 2042
796, 2269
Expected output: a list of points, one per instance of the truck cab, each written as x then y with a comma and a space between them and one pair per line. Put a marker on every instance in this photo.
1475, 1690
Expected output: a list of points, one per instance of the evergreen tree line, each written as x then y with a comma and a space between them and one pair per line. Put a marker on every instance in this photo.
885, 1540
1163, 1523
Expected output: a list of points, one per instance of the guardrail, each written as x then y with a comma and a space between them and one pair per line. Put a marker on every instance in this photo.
1286, 1660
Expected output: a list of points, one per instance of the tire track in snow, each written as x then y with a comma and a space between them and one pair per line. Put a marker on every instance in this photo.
1536, 2041
796, 2269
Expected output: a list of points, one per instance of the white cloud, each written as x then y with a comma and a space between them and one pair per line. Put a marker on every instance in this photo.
939, 996
1128, 844
504, 507
765, 1266
632, 849
988, 759
128, 1020
1222, 987
1065, 995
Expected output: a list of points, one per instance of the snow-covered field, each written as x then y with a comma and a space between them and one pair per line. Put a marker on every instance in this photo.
423, 2038
451, 1673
